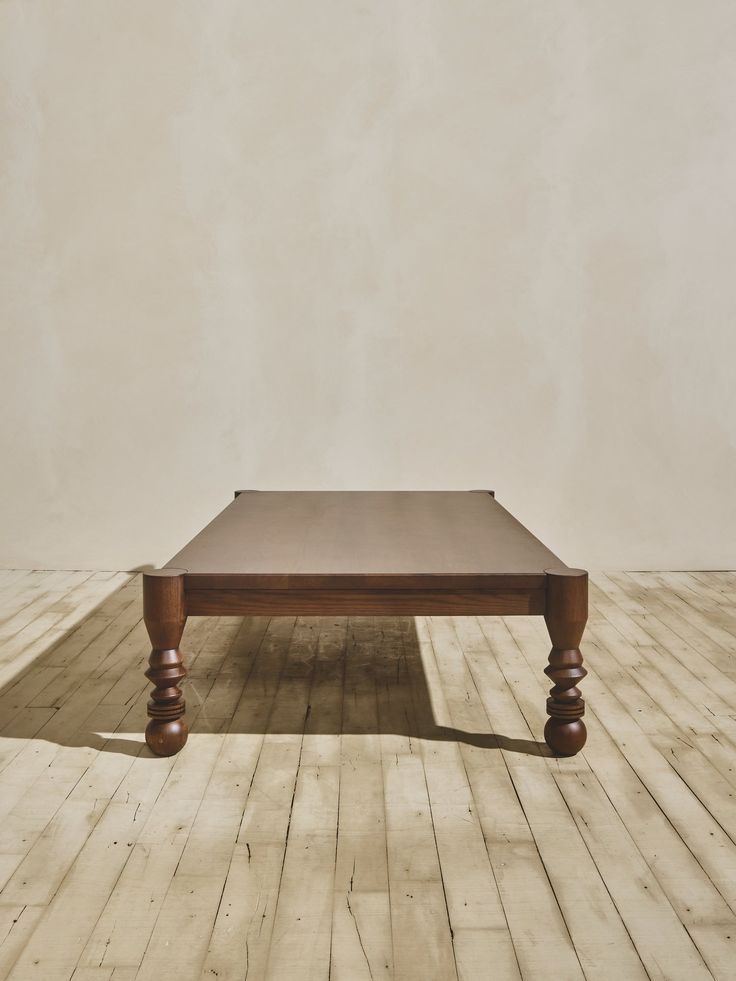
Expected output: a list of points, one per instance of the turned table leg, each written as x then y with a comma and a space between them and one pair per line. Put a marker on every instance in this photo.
566, 615
164, 613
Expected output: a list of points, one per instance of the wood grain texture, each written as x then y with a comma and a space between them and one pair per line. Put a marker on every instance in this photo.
369, 797
377, 602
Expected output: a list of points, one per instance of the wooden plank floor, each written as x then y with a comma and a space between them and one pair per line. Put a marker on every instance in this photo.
367, 798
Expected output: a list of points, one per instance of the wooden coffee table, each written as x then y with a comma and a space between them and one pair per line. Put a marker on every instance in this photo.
379, 553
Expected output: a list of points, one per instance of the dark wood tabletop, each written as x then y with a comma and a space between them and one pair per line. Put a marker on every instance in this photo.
272, 539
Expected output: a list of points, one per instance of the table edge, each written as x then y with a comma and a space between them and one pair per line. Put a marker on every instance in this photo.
381, 580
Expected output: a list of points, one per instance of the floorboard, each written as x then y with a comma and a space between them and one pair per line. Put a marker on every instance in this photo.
367, 799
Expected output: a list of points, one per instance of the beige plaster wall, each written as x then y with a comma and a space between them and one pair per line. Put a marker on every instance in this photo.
342, 244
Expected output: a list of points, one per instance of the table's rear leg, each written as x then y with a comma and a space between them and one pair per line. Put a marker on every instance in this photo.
566, 615
164, 613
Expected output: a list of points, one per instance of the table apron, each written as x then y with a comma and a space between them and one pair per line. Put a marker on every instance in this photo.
376, 602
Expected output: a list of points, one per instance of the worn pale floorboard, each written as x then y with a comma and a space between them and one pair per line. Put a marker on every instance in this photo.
367, 798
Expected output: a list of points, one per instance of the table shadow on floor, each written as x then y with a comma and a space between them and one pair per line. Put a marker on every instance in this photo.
88, 689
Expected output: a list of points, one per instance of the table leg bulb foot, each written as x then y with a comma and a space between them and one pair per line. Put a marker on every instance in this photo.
565, 738
166, 737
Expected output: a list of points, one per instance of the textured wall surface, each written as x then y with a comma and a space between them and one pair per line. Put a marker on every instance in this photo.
345, 244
